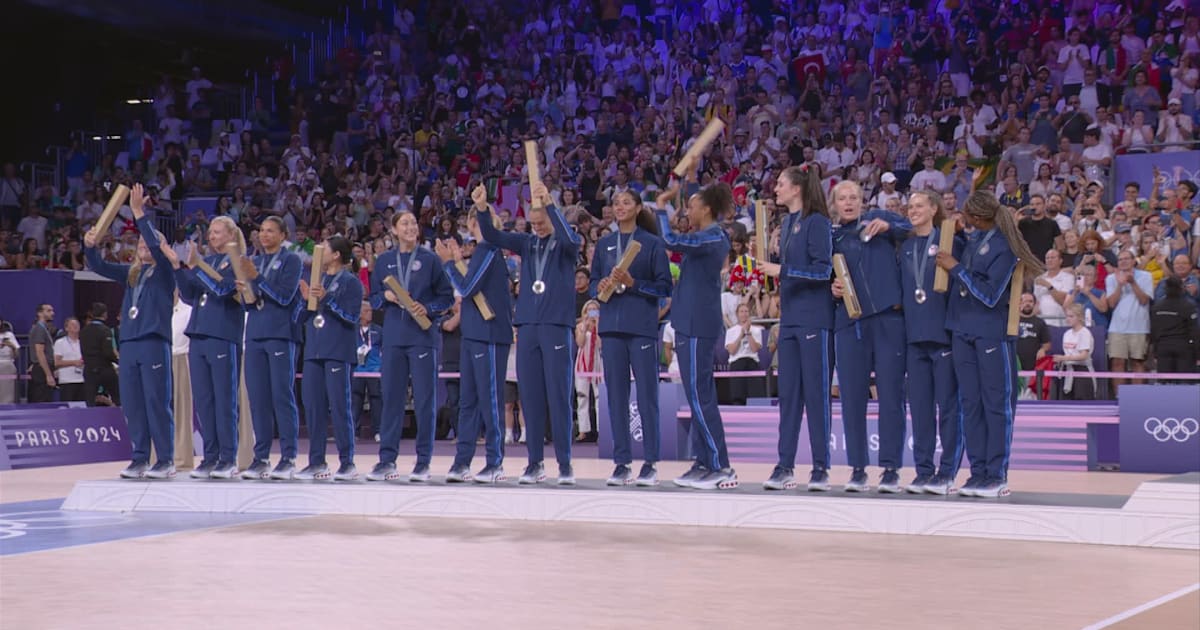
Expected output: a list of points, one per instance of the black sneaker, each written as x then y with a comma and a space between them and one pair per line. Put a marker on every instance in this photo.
161, 470
971, 488
858, 481
622, 475
781, 479
260, 469
346, 472
941, 485
889, 482
135, 470
648, 476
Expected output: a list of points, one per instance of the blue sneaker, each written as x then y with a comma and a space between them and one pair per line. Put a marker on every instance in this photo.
781, 479
818, 481
970, 488
889, 482
204, 470
490, 474
458, 474
622, 475
648, 477
724, 479
993, 489
941, 485
419, 474
858, 481
694, 474
918, 485
566, 475
534, 474
135, 470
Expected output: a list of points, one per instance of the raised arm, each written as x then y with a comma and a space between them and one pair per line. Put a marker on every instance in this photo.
113, 271
499, 238
686, 243
472, 282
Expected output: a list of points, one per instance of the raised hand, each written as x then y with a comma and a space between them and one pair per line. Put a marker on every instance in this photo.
137, 201
479, 196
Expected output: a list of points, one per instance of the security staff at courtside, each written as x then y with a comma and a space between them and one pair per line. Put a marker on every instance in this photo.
215, 349
545, 323
410, 354
145, 364
874, 342
985, 359
329, 359
483, 356
628, 328
274, 277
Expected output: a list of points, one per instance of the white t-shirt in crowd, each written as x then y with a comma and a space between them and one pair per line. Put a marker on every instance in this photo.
67, 349
7, 353
180, 316
668, 336
1075, 342
743, 350
1049, 308
729, 304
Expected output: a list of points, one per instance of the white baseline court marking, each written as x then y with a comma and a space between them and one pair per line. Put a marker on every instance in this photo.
1137, 610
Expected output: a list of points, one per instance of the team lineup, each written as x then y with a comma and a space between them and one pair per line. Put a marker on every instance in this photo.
917, 302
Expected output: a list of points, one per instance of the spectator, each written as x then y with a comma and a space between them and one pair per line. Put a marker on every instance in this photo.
587, 392
1052, 289
1174, 127
1086, 294
1040, 231
742, 342
1077, 345
1174, 330
1033, 336
12, 197
1181, 268
68, 361
366, 388
929, 178
9, 348
33, 226
1128, 293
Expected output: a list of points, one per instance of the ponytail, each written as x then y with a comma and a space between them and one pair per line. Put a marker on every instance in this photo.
983, 204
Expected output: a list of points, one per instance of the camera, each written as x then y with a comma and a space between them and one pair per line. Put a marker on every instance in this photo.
1087, 212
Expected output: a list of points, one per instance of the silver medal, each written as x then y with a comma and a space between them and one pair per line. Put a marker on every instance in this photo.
621, 288
319, 321
933, 250
133, 312
962, 291
983, 250
539, 287
919, 296
203, 299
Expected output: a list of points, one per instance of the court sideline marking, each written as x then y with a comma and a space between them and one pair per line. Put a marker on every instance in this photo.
1187, 590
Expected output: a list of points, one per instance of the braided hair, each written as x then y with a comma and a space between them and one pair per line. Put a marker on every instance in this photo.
983, 204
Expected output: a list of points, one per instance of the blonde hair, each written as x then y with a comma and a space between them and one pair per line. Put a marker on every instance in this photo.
586, 305
847, 184
233, 229
135, 269
1076, 310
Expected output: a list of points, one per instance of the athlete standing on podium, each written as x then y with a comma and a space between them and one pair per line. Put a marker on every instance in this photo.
874, 342
215, 349
932, 386
484, 350
274, 276
805, 325
330, 353
696, 318
985, 359
628, 328
409, 353
145, 364
545, 323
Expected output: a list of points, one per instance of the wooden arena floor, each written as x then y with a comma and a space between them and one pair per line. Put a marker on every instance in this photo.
198, 571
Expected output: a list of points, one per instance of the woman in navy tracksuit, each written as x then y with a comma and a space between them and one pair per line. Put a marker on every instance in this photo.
274, 276
932, 386
628, 330
483, 353
874, 341
409, 353
329, 357
984, 355
805, 325
696, 318
545, 323
215, 350
145, 366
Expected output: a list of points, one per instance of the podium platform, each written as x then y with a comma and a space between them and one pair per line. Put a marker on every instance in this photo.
1162, 514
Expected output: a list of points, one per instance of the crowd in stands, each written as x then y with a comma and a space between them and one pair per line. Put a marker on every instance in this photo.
1033, 98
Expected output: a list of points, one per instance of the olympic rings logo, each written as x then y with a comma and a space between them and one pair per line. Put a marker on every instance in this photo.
1168, 429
